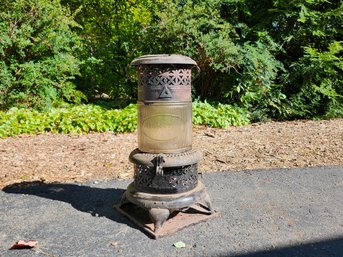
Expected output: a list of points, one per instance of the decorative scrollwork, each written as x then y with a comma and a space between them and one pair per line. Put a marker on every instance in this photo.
174, 179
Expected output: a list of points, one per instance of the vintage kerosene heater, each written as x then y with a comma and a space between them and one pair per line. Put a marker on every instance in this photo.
166, 194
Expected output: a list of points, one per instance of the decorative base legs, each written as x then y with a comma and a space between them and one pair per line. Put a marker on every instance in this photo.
163, 214
158, 217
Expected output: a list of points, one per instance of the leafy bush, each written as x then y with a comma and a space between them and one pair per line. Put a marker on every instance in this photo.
111, 33
238, 63
311, 38
219, 115
274, 59
320, 91
86, 118
37, 54
77, 119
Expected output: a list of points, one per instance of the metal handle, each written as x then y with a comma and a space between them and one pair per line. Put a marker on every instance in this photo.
159, 168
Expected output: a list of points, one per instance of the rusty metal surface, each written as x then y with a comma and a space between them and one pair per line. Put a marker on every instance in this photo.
164, 77
164, 82
167, 201
177, 172
170, 180
170, 160
176, 222
163, 59
156, 213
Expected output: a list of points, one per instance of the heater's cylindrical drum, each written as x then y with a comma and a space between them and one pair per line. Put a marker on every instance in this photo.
164, 103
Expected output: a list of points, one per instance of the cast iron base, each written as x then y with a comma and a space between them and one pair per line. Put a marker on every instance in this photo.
177, 221
163, 214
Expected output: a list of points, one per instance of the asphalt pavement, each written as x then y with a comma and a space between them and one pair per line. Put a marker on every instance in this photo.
289, 212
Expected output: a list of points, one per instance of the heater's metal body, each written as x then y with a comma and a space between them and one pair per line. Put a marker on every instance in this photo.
166, 167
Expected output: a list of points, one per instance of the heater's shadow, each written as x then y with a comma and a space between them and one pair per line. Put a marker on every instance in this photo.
98, 202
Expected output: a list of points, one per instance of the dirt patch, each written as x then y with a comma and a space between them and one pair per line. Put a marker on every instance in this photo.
70, 158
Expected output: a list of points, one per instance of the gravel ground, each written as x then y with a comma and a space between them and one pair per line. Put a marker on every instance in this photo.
77, 158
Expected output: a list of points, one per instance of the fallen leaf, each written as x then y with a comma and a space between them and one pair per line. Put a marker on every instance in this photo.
179, 245
21, 244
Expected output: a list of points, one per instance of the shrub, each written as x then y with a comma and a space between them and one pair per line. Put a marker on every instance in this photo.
238, 63
111, 32
219, 115
311, 38
37, 54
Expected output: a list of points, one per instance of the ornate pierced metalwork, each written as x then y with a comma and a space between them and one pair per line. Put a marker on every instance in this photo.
164, 83
159, 76
174, 179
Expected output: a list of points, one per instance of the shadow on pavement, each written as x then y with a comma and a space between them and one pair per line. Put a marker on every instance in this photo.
326, 248
98, 202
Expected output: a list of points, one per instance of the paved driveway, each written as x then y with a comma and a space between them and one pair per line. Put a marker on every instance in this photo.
297, 212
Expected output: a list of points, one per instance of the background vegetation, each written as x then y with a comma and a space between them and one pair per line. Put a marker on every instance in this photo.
260, 59
93, 118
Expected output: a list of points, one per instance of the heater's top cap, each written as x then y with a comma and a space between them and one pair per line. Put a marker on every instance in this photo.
163, 59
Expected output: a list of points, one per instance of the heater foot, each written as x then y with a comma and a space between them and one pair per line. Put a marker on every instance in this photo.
206, 202
158, 216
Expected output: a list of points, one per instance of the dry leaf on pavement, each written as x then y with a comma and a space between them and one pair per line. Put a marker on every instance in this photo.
21, 244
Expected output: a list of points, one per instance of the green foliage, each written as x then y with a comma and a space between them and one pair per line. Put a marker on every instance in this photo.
310, 33
219, 115
321, 85
111, 32
264, 56
238, 64
74, 119
37, 54
273, 59
87, 118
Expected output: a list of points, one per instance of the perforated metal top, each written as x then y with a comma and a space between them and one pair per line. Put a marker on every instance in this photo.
163, 59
